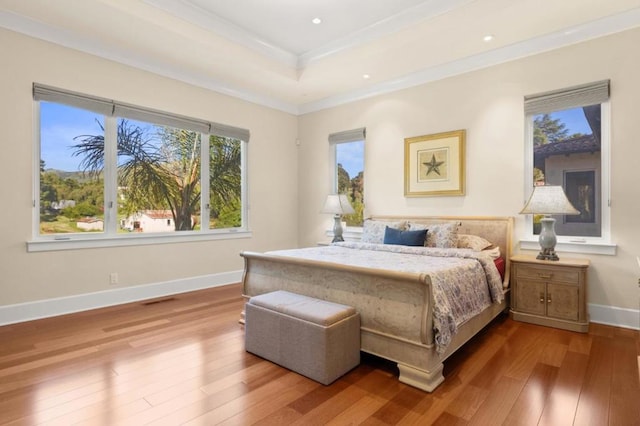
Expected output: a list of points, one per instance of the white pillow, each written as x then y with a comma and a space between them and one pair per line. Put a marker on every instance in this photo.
473, 242
441, 235
494, 252
373, 230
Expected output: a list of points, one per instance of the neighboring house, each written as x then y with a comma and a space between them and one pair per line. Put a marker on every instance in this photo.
149, 221
575, 165
90, 224
62, 204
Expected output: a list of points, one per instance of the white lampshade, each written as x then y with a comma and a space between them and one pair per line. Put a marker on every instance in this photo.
548, 199
337, 204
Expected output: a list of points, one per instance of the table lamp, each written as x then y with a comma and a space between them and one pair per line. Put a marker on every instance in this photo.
337, 204
548, 200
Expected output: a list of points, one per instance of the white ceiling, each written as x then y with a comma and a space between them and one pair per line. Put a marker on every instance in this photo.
269, 51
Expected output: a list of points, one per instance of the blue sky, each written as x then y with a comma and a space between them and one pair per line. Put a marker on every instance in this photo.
59, 124
574, 119
351, 156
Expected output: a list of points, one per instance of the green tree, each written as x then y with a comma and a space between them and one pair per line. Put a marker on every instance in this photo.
164, 175
344, 181
49, 183
547, 130
225, 182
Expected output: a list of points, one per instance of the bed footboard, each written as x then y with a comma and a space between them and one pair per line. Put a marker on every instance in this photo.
395, 308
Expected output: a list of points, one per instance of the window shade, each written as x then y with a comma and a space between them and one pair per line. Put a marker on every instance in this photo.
572, 97
348, 136
112, 108
160, 118
78, 100
229, 132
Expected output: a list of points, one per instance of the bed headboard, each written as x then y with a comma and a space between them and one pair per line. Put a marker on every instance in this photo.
496, 229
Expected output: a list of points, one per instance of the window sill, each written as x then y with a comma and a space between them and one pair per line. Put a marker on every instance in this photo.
586, 247
350, 233
76, 242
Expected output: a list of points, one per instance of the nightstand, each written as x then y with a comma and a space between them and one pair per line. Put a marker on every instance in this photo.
551, 293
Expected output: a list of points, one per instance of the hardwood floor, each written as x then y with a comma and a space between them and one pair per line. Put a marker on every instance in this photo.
181, 360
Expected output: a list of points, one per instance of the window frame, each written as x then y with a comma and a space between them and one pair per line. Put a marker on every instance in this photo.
335, 139
575, 244
110, 237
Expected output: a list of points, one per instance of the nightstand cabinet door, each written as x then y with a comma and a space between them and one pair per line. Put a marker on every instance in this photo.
551, 293
531, 297
563, 301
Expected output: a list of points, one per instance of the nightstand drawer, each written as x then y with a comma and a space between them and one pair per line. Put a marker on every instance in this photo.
557, 274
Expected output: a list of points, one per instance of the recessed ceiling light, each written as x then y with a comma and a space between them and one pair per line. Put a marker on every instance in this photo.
365, 76
488, 37
316, 21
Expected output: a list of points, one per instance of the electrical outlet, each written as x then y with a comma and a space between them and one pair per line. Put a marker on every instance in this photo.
113, 278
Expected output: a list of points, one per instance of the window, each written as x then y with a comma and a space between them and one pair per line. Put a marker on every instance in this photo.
348, 174
109, 169
568, 145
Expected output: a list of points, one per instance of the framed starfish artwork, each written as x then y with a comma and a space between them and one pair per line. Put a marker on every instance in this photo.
434, 164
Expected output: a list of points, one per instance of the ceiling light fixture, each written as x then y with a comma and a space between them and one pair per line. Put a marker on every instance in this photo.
488, 37
316, 21
365, 76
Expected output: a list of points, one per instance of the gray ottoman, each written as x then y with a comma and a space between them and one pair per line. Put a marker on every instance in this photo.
316, 338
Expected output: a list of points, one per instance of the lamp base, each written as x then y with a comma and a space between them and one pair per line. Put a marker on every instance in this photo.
337, 229
547, 239
547, 254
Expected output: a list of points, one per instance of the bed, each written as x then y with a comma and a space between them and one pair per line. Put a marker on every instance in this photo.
400, 319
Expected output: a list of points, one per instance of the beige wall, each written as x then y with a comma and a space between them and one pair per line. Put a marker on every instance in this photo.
272, 182
489, 104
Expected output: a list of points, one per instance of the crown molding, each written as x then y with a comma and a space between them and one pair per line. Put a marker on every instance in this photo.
573, 35
186, 10
397, 22
599, 28
40, 30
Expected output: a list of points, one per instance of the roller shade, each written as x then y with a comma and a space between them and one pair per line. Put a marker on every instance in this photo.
160, 118
78, 100
348, 136
230, 132
572, 97
109, 107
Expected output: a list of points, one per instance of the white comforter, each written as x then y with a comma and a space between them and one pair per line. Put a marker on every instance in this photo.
464, 282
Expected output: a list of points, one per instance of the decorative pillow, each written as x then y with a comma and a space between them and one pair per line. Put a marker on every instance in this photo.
442, 235
472, 242
404, 238
373, 230
494, 252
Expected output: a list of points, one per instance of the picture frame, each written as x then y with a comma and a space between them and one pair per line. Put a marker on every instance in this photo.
434, 165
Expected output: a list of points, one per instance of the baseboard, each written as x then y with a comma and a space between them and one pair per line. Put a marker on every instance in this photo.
11, 314
618, 317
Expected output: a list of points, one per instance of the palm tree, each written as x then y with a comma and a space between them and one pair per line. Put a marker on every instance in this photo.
160, 169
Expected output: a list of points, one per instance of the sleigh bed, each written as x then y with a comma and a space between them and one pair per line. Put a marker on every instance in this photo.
411, 314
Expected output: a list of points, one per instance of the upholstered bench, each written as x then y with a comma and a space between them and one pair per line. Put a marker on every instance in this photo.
316, 338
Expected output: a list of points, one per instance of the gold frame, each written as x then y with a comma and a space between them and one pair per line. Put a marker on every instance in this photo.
434, 164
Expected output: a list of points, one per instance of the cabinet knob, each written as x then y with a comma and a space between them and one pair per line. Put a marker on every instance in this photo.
541, 298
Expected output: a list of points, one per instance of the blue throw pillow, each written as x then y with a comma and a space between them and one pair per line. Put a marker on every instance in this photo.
405, 238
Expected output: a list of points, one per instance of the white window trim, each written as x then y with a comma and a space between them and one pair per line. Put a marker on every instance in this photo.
76, 242
587, 245
351, 233
110, 237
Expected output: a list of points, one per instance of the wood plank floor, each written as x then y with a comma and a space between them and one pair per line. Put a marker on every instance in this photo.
182, 361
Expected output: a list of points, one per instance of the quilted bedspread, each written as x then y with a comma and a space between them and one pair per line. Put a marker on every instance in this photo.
464, 282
